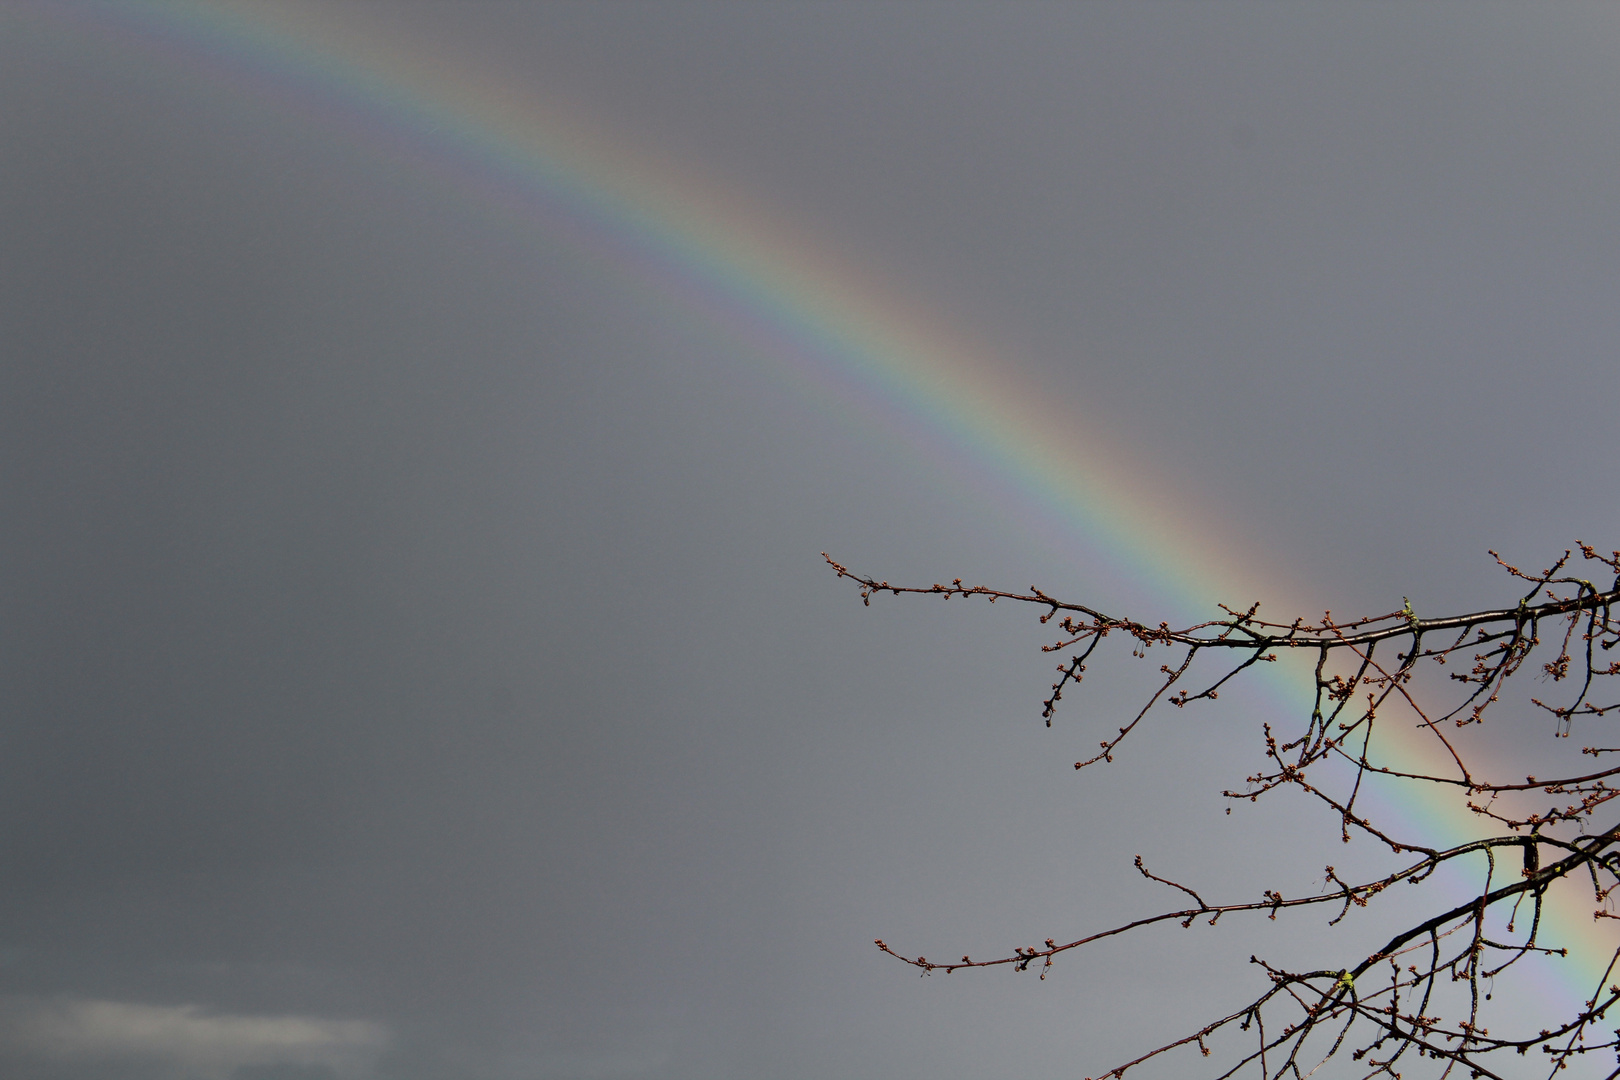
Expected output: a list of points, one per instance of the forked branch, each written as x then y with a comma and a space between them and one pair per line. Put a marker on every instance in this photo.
1393, 997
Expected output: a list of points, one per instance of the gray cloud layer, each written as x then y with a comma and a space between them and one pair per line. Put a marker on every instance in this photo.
416, 658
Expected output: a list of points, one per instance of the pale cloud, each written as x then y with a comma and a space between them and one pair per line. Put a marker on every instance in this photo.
192, 1040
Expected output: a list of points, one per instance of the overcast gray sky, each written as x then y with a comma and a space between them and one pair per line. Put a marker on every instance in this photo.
417, 660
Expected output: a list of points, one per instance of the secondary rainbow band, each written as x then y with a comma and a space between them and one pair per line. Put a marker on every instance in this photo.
492, 145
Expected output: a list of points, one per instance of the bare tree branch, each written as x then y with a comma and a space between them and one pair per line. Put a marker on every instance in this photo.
1385, 1006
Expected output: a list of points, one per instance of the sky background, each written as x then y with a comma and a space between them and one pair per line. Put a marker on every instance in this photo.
418, 660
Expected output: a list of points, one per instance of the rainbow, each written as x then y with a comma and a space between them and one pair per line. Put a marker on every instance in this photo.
833, 327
